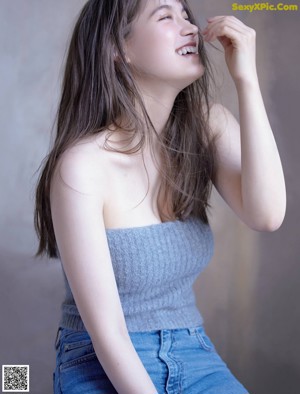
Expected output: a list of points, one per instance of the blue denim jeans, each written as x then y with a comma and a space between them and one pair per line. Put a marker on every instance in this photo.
177, 360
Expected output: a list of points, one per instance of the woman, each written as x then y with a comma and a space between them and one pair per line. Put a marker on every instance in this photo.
123, 196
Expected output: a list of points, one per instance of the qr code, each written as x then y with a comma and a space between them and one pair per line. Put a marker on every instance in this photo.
15, 378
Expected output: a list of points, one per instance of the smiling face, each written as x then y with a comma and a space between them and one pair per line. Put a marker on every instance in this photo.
162, 47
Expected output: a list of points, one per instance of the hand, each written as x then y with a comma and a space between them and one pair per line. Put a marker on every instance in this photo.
238, 41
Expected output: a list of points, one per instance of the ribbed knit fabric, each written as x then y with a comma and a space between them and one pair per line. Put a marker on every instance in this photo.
155, 267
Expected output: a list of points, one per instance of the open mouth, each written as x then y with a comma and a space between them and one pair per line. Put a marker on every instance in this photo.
188, 50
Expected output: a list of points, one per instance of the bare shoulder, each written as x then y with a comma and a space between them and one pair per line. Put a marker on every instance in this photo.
220, 118
83, 167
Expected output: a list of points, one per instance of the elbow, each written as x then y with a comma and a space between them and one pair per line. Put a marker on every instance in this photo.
268, 223
269, 226
267, 216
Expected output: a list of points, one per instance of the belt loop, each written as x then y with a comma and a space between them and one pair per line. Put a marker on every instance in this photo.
57, 339
192, 330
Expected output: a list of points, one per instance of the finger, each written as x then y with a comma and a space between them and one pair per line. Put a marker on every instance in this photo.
225, 20
220, 17
225, 31
219, 29
212, 18
225, 41
239, 27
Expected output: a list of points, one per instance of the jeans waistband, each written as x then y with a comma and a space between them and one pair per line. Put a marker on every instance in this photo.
191, 331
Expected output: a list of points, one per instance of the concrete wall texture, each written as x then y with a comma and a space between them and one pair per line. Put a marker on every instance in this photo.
249, 293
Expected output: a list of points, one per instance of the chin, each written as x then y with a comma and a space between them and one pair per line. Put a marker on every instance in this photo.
192, 78
200, 71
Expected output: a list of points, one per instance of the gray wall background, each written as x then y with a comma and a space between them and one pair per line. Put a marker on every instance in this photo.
249, 293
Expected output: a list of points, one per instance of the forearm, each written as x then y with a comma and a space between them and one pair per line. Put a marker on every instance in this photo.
262, 181
123, 366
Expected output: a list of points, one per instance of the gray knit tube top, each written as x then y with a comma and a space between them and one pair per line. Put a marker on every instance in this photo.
155, 267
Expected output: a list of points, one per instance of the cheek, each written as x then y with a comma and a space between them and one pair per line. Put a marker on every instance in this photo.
140, 47
153, 63
149, 50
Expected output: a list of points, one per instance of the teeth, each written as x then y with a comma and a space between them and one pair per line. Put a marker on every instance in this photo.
185, 50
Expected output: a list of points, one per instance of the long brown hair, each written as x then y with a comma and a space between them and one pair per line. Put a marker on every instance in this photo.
98, 91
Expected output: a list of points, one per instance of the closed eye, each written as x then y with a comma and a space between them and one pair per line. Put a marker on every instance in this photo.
187, 18
169, 17
165, 17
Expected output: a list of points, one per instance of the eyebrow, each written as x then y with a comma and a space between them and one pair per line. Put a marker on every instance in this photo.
165, 6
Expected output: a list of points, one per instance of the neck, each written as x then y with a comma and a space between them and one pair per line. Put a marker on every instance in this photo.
158, 99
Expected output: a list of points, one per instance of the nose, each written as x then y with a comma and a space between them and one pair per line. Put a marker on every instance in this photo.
188, 28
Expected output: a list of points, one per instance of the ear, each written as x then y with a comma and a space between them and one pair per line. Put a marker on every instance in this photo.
125, 51
117, 57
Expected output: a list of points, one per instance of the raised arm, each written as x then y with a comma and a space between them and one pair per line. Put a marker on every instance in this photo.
77, 195
249, 171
